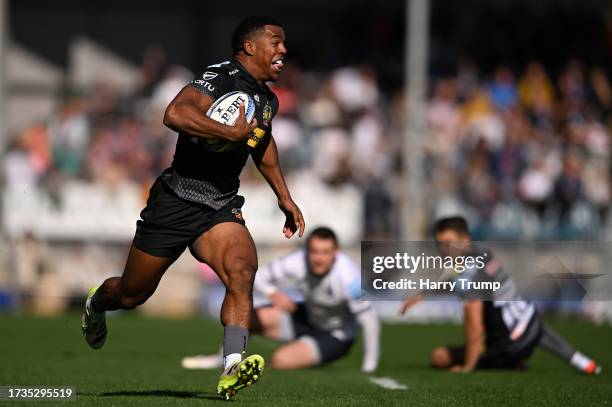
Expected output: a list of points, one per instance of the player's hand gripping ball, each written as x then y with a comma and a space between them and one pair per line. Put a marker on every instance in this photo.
226, 110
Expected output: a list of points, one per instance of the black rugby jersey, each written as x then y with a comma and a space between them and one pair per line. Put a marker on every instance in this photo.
207, 171
509, 319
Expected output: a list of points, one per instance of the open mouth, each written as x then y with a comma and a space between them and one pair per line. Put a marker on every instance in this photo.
277, 65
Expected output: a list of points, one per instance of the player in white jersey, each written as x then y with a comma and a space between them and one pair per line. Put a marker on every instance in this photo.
323, 327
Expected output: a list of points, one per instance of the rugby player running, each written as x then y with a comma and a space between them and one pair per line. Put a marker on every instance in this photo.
500, 332
195, 202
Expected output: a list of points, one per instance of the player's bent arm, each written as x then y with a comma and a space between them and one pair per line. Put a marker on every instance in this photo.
187, 114
474, 333
370, 326
409, 302
263, 284
288, 269
265, 158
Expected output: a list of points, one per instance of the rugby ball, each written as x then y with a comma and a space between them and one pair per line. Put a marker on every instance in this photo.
226, 109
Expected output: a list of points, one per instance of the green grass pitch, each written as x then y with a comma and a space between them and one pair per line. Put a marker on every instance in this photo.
140, 365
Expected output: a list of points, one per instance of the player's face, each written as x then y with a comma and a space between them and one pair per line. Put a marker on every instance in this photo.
321, 255
270, 52
452, 243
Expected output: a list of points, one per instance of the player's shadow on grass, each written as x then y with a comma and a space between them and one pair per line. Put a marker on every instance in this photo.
163, 393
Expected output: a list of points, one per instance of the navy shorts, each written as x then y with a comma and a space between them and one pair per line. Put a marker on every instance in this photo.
330, 347
170, 224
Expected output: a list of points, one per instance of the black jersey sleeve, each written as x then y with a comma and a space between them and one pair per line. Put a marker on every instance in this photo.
215, 81
263, 144
274, 106
261, 147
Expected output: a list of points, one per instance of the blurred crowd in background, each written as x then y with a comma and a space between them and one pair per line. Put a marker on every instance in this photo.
527, 153
523, 153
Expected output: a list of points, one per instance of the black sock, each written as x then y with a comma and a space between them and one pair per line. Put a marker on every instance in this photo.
555, 344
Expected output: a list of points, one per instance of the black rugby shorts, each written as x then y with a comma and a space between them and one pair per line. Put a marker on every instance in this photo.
170, 224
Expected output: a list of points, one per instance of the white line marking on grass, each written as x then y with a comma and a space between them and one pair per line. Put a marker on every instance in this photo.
388, 383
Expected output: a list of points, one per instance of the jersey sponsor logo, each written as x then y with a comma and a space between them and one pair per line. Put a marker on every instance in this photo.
204, 84
256, 137
267, 115
235, 71
233, 108
209, 75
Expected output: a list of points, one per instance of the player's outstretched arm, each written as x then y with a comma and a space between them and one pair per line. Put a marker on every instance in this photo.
371, 339
474, 335
266, 160
409, 302
187, 114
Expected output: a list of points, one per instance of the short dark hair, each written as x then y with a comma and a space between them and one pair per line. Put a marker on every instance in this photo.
454, 223
322, 232
247, 27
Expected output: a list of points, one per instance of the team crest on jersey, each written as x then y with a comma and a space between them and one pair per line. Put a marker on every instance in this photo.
237, 213
256, 97
267, 115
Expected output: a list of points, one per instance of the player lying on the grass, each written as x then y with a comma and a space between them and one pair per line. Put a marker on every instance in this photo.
195, 202
508, 327
323, 327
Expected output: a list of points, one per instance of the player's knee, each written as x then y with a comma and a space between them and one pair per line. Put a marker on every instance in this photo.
281, 361
267, 317
440, 357
240, 273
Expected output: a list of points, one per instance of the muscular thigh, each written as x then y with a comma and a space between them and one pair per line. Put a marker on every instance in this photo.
226, 247
143, 272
